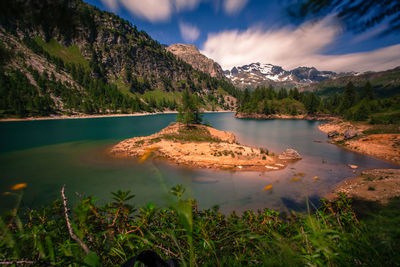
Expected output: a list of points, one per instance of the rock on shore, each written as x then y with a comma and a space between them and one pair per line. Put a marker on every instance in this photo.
290, 154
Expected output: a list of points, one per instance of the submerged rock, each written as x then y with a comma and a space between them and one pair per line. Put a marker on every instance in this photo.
290, 154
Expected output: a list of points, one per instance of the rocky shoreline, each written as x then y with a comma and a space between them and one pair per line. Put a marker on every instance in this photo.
200, 146
352, 136
86, 116
378, 185
319, 117
348, 135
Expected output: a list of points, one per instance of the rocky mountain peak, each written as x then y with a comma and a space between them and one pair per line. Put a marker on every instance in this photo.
255, 74
191, 55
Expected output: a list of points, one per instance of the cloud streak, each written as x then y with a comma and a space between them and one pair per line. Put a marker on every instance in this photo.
152, 10
232, 7
161, 10
291, 48
189, 32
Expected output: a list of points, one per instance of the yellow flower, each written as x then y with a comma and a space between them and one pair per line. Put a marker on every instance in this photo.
19, 186
147, 154
300, 174
295, 179
268, 187
6, 193
316, 178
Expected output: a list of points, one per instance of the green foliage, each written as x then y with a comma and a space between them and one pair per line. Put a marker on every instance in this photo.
69, 55
364, 105
193, 133
116, 231
18, 97
267, 101
391, 118
5, 54
189, 112
76, 38
384, 84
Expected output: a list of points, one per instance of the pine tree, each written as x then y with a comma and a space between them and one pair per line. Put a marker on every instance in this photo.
189, 111
367, 92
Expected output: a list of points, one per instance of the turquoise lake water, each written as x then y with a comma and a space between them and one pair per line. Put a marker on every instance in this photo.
47, 154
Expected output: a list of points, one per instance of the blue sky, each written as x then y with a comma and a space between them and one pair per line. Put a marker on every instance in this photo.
238, 32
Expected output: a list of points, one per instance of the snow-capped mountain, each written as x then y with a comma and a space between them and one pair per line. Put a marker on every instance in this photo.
256, 74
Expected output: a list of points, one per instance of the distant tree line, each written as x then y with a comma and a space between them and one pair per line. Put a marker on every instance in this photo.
269, 101
358, 104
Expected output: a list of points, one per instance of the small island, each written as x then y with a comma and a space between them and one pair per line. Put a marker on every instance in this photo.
200, 146
192, 144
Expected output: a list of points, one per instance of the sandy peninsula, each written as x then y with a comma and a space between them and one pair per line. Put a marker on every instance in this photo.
355, 137
200, 146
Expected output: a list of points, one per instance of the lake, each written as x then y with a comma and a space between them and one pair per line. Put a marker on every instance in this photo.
49, 153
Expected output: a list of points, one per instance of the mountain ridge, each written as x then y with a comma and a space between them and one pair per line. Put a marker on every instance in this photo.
256, 74
191, 55
90, 61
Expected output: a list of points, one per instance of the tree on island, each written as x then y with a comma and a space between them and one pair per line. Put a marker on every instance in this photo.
189, 112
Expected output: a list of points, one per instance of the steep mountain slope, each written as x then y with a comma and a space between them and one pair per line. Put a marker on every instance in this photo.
256, 74
191, 55
80, 59
384, 83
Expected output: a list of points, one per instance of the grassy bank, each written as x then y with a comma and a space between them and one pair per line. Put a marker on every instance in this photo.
333, 235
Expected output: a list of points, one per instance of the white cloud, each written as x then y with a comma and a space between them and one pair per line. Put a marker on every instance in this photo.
234, 6
189, 33
152, 10
161, 10
186, 4
292, 48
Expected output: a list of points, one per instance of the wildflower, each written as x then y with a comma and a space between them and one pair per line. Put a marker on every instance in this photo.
300, 174
268, 187
6, 193
147, 154
316, 178
19, 186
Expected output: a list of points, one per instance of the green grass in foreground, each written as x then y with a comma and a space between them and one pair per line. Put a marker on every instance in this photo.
116, 231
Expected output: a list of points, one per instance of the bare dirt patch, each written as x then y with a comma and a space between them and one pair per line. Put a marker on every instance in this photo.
379, 185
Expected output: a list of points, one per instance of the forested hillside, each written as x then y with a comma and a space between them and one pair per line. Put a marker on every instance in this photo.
67, 57
384, 83
358, 104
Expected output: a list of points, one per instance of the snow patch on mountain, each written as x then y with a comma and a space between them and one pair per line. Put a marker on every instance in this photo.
267, 74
